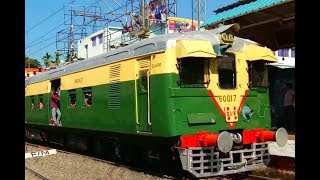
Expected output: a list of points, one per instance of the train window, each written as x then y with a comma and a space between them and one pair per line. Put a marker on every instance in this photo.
32, 102
87, 97
193, 72
40, 101
72, 98
227, 72
258, 74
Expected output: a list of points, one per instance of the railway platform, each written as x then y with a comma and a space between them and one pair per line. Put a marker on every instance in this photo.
283, 158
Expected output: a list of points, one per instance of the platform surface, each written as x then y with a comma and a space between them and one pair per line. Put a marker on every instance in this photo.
288, 150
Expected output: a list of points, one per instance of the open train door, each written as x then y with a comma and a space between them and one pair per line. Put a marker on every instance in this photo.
54, 84
143, 121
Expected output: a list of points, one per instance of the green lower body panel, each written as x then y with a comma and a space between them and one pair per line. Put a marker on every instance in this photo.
173, 110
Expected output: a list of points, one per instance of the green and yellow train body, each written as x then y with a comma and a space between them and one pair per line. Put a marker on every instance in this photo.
171, 86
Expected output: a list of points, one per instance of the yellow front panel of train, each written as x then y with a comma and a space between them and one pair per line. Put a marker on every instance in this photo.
229, 100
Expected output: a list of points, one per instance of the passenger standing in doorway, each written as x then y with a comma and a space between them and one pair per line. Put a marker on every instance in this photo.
289, 107
58, 91
55, 106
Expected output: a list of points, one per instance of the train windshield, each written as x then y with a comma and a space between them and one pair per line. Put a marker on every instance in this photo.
227, 72
193, 71
258, 74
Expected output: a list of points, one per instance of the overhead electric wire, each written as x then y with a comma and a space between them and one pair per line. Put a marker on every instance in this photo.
49, 16
59, 26
40, 42
47, 46
31, 44
65, 37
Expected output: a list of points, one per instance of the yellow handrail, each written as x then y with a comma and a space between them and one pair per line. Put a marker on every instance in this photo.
148, 81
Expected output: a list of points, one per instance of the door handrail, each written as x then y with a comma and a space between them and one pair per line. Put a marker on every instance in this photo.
136, 94
148, 85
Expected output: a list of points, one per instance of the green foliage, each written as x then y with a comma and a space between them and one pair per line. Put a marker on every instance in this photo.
57, 61
47, 59
31, 63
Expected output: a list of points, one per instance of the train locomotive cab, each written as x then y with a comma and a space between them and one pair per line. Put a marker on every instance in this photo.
227, 110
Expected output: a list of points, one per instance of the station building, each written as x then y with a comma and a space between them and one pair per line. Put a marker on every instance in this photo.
28, 72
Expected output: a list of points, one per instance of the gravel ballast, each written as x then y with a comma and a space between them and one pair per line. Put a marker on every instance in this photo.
72, 166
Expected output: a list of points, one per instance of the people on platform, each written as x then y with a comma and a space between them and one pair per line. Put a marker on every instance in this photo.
289, 108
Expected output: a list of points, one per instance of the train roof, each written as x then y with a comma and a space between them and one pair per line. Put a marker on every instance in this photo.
146, 46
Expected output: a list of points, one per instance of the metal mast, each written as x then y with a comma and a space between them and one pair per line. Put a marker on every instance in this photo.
131, 16
199, 11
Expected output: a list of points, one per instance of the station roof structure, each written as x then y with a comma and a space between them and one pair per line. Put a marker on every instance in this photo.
268, 22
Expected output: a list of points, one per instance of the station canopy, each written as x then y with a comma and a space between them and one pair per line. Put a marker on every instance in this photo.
270, 23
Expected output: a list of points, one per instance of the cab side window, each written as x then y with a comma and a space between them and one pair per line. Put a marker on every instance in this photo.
193, 72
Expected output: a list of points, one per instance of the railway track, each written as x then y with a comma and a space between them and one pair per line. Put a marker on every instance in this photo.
167, 175
261, 177
68, 152
108, 162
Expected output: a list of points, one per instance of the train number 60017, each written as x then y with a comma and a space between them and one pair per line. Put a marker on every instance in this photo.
227, 98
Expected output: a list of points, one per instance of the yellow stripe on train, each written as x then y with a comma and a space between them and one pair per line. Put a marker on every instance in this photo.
159, 63
38, 88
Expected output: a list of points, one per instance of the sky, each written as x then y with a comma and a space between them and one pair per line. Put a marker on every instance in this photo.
47, 20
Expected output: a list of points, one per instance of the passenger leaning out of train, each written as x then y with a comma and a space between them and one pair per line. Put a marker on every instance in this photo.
87, 100
55, 106
40, 105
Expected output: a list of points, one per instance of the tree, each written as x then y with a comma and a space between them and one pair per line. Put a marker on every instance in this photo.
31, 63
47, 59
57, 58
